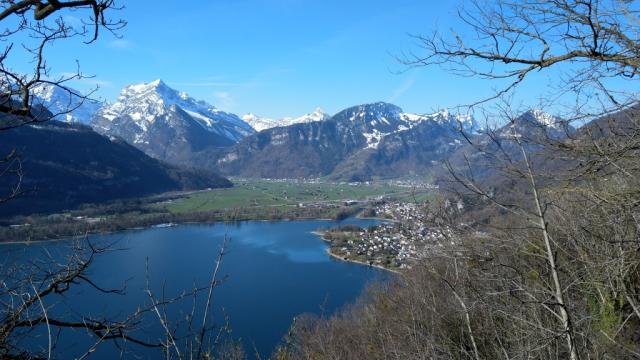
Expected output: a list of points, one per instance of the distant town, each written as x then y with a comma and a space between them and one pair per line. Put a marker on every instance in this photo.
397, 243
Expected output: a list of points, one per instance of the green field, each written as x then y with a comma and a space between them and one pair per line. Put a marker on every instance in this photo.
261, 193
247, 200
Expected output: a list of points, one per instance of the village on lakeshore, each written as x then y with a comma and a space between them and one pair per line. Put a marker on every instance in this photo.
397, 243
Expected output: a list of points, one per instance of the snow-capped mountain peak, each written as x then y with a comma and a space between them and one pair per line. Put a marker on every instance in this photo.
445, 117
157, 85
250, 117
543, 118
157, 82
374, 112
45, 91
261, 123
145, 102
537, 124
65, 103
317, 115
168, 124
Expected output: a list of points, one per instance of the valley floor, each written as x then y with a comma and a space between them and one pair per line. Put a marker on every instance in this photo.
247, 200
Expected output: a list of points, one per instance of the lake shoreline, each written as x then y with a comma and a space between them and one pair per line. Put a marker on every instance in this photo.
108, 226
137, 228
321, 234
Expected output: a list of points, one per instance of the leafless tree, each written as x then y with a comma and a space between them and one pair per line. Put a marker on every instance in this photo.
548, 267
592, 43
28, 28
510, 40
29, 290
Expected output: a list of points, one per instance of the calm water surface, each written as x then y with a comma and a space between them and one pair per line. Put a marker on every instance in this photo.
275, 271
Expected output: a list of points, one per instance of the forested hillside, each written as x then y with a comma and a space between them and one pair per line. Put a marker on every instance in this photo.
59, 166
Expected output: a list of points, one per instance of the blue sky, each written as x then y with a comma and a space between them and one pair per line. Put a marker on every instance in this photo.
277, 58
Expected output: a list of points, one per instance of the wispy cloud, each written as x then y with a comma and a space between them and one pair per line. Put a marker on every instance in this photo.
402, 89
120, 44
208, 84
97, 82
87, 81
220, 82
223, 100
73, 21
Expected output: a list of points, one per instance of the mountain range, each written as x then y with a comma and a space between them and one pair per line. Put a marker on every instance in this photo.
360, 143
363, 142
155, 139
532, 131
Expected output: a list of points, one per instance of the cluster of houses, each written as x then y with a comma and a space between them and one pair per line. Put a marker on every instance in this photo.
414, 184
398, 243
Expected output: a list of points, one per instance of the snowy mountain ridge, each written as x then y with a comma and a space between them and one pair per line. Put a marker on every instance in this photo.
379, 120
543, 118
65, 103
146, 102
445, 117
169, 125
263, 123
356, 144
536, 122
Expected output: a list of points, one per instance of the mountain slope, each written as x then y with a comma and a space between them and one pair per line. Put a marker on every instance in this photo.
66, 165
358, 143
64, 104
167, 124
533, 129
410, 152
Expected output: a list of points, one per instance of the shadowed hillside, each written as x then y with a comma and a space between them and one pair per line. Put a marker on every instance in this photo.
65, 165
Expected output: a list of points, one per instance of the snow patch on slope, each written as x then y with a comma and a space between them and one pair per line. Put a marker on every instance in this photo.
374, 138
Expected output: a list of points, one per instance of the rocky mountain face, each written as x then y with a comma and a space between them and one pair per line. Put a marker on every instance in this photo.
533, 129
359, 143
66, 104
262, 123
169, 125
414, 151
65, 165
536, 125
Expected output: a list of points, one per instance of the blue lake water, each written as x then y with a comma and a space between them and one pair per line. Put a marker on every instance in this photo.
274, 272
